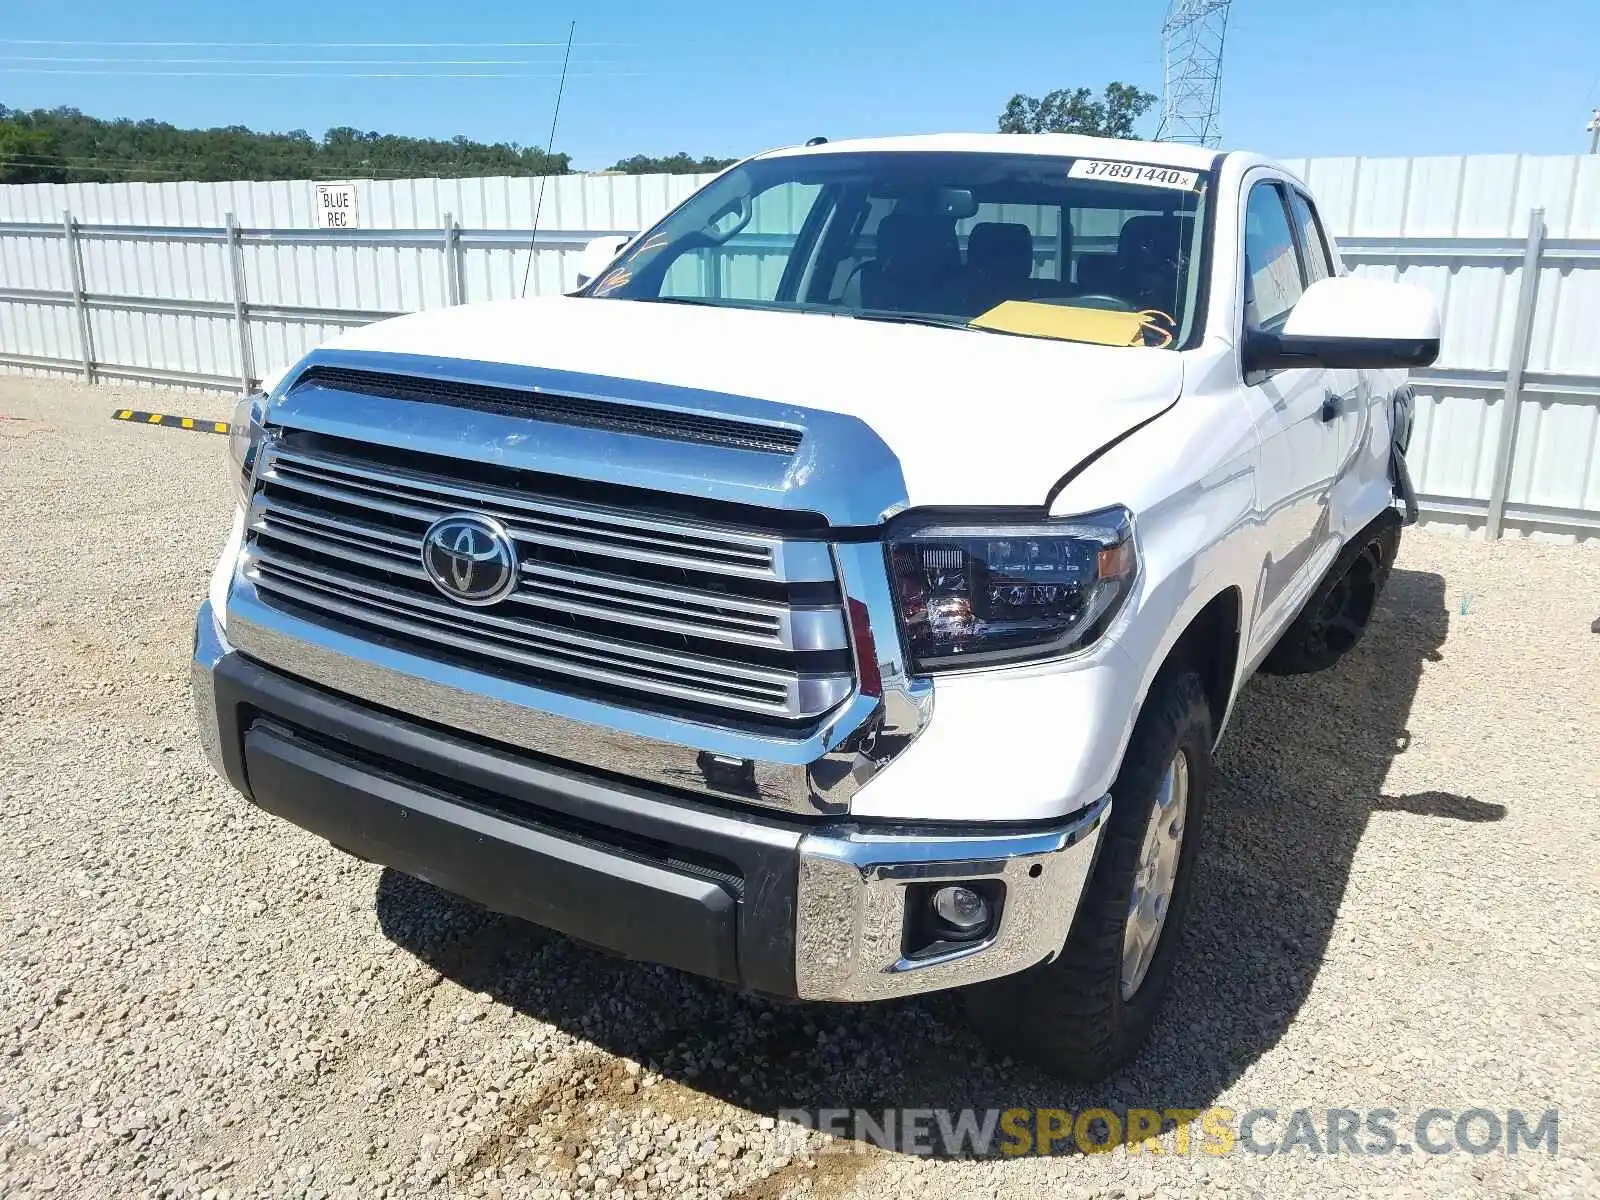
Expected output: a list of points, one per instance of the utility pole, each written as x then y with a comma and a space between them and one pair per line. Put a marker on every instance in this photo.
1594, 133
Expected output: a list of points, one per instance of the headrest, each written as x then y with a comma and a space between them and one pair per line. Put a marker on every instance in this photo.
1150, 239
1003, 249
918, 246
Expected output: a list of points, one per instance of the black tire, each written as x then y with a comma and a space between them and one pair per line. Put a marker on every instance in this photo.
1069, 1015
1337, 614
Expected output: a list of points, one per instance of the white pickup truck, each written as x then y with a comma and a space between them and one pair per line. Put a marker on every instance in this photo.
841, 594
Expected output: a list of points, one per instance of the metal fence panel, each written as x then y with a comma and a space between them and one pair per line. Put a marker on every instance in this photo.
147, 275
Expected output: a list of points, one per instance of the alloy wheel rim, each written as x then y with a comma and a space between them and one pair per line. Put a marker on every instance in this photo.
1156, 875
1343, 616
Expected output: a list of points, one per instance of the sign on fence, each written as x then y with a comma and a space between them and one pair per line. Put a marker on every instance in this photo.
336, 206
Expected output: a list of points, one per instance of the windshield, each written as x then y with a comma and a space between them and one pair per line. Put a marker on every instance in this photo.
1075, 249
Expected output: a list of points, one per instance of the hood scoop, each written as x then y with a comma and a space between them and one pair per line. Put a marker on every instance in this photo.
709, 449
554, 408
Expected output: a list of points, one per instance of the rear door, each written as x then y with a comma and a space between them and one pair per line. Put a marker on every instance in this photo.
1300, 437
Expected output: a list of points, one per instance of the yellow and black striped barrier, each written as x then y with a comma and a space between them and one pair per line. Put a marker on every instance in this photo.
170, 421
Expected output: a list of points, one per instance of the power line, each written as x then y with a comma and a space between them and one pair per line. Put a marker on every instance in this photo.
317, 74
304, 45
83, 162
108, 163
167, 174
310, 62
325, 171
123, 160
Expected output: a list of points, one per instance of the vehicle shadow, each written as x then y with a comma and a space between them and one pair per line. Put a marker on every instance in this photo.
1299, 773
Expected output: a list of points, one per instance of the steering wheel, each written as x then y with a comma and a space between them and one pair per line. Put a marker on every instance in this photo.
1101, 300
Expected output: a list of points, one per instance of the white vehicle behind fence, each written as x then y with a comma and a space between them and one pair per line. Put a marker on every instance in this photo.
842, 594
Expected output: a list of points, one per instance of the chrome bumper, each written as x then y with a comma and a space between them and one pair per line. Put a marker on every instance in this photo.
210, 647
850, 882
852, 905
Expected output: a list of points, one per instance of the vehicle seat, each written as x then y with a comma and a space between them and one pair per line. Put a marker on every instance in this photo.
1150, 261
999, 264
918, 265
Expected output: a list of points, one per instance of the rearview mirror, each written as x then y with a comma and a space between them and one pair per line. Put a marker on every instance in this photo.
1350, 322
955, 202
598, 254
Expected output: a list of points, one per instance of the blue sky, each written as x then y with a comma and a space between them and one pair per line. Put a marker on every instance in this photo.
1339, 77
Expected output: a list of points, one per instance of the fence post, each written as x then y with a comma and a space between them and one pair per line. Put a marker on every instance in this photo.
241, 322
79, 302
452, 261
1521, 344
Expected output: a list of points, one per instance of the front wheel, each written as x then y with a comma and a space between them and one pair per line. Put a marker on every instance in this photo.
1090, 1009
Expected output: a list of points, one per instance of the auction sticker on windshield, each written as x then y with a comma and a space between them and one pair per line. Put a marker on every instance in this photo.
1126, 172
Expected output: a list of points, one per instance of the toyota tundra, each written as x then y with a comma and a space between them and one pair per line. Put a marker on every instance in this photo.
842, 593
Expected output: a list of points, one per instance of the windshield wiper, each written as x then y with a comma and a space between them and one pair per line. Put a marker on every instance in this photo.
911, 319
938, 322
932, 320
704, 301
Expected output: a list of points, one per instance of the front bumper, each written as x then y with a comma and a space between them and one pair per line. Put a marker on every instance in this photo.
806, 909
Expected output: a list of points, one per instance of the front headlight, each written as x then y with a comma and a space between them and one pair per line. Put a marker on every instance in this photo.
245, 432
994, 589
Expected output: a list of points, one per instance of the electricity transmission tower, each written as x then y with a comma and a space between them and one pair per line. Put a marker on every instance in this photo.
1192, 38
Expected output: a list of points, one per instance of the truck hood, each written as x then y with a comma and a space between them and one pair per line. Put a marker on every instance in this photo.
973, 418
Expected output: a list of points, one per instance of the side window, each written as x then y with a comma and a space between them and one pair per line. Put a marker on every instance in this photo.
848, 250
1319, 263
1273, 282
750, 264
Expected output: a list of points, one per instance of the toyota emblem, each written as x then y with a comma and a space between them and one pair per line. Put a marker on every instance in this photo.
470, 558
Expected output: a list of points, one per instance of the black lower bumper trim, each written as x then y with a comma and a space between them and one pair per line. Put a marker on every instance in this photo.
651, 877
637, 910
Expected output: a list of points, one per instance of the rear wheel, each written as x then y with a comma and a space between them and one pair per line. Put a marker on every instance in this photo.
1090, 1009
1337, 614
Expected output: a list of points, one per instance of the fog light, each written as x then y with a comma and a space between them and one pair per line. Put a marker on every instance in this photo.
962, 910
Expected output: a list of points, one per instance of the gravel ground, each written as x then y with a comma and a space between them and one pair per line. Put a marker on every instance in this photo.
1398, 906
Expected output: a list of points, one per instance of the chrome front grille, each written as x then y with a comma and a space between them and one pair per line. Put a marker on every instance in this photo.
638, 604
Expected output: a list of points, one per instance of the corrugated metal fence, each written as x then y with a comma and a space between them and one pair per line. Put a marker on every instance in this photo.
1508, 424
209, 285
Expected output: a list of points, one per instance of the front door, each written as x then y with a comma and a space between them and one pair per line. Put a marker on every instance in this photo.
1297, 413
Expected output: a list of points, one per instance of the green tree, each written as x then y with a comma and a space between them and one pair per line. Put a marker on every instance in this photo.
28, 155
1075, 110
64, 145
673, 164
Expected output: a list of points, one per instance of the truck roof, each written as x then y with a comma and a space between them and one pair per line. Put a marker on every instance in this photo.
1069, 145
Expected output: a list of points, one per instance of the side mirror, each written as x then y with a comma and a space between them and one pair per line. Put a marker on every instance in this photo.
598, 254
1351, 323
